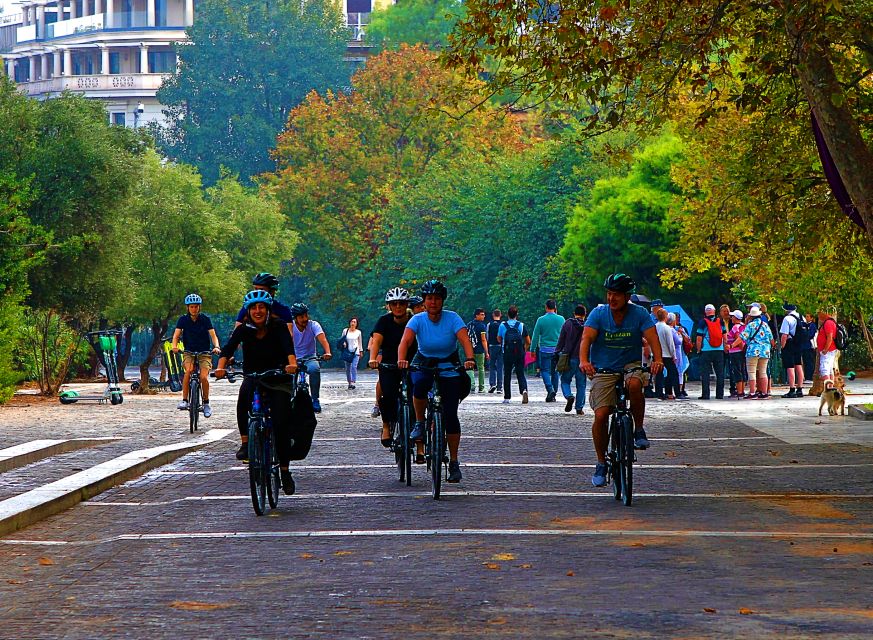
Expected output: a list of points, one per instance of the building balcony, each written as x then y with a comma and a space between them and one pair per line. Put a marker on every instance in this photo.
103, 84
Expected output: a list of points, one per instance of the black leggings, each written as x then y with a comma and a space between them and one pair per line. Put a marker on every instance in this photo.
389, 382
450, 393
280, 411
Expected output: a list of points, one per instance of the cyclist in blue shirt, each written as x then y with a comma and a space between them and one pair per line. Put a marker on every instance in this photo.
613, 339
264, 281
438, 332
197, 333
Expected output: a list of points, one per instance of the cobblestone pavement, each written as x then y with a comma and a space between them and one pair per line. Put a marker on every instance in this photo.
733, 533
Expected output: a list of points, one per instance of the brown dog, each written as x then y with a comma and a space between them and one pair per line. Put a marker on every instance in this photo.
834, 399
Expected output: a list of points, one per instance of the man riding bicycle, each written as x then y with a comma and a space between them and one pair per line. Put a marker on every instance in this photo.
613, 339
264, 281
266, 345
306, 333
196, 330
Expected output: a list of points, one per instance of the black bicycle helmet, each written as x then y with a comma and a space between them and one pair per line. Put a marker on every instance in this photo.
298, 309
414, 301
434, 287
620, 282
264, 279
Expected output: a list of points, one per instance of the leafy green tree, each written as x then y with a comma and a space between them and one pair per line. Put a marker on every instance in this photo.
177, 246
631, 61
248, 63
414, 22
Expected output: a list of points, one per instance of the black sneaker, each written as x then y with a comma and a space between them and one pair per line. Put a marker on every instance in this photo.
492, 389
550, 396
790, 394
454, 472
798, 392
640, 439
288, 485
243, 452
569, 406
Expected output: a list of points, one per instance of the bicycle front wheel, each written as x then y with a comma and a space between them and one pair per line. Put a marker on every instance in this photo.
406, 418
438, 452
257, 463
194, 405
626, 459
273, 482
613, 456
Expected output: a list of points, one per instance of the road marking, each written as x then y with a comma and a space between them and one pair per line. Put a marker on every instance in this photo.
582, 438
374, 533
496, 494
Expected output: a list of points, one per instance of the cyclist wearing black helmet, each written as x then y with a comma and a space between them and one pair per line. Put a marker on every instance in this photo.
266, 345
306, 334
416, 305
613, 339
264, 281
438, 332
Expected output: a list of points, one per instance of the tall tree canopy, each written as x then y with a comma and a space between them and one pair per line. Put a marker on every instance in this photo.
629, 61
414, 22
248, 63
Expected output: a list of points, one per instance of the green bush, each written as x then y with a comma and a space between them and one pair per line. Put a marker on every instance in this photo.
48, 348
10, 317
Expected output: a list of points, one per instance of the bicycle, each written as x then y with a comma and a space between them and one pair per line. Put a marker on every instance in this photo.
264, 478
620, 456
400, 443
435, 435
194, 399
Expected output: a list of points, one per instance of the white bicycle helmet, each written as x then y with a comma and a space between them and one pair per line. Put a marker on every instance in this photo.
397, 294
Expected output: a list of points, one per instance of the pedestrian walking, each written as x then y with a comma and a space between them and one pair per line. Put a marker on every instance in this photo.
515, 341
710, 345
568, 360
495, 353
546, 331
477, 330
352, 351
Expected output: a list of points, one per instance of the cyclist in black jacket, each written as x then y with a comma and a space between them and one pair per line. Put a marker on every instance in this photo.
266, 344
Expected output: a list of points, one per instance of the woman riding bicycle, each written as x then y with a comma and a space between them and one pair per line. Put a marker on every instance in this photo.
266, 345
438, 332
387, 335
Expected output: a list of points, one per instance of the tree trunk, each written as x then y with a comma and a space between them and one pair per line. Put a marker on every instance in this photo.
124, 354
158, 331
839, 127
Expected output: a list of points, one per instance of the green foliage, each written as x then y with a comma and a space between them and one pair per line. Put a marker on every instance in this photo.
47, 347
10, 321
246, 66
414, 22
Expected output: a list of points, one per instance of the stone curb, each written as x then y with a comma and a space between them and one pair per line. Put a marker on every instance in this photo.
35, 450
35, 505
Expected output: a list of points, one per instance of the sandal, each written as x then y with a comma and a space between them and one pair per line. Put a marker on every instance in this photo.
386, 442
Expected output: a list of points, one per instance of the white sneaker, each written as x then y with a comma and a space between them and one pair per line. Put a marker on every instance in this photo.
182, 406
506, 401
207, 411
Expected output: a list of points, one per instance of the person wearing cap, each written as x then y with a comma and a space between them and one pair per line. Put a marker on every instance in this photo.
710, 345
758, 339
737, 355
792, 346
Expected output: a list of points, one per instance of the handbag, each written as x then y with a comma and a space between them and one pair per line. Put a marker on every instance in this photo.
563, 365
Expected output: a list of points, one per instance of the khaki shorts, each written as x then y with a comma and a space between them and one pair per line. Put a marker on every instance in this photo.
205, 360
603, 386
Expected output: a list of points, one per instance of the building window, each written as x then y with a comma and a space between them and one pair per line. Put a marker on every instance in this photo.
162, 61
114, 62
161, 13
118, 118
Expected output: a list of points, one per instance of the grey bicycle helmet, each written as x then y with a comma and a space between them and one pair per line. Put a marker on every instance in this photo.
264, 279
258, 295
298, 309
434, 287
397, 294
193, 298
620, 282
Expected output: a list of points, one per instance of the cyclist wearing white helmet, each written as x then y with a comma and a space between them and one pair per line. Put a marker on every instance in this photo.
387, 335
196, 330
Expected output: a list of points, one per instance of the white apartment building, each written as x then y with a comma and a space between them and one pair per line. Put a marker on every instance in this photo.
117, 51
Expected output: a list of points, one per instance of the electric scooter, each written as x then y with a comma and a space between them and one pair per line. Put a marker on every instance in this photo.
105, 345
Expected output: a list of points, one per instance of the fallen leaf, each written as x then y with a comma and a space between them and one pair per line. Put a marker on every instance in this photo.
342, 553
745, 611
492, 565
525, 566
670, 454
503, 556
774, 453
46, 562
570, 573
198, 606
15, 581
709, 610
306, 556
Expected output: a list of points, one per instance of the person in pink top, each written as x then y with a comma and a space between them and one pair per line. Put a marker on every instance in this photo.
737, 354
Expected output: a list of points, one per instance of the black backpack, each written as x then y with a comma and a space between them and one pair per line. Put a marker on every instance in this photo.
513, 340
802, 334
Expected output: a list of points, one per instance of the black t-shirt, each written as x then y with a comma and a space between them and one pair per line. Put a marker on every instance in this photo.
493, 328
260, 354
479, 327
195, 335
392, 334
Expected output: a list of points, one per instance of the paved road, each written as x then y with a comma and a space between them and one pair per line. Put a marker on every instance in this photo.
734, 533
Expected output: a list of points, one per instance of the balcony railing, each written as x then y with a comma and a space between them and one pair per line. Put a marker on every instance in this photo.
77, 25
124, 82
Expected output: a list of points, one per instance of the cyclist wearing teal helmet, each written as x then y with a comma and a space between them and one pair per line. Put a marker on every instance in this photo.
613, 339
198, 334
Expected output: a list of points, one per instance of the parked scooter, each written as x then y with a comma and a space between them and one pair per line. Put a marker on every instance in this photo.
173, 364
105, 345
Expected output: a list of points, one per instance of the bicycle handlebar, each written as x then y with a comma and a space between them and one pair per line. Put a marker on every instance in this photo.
644, 368
437, 370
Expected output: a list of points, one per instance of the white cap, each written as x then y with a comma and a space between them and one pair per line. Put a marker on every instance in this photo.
755, 312
755, 305
737, 314
709, 307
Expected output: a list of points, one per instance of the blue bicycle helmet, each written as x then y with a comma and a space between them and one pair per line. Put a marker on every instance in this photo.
298, 309
193, 298
434, 287
257, 295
